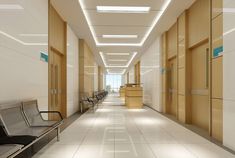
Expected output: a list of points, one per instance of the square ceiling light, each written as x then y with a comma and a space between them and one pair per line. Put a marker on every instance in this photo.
122, 9
139, 44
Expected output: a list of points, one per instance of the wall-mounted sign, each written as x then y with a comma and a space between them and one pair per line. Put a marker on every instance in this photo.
44, 57
218, 51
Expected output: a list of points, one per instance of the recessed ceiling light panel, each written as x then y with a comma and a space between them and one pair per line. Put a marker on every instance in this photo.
119, 36
122, 9
117, 53
117, 60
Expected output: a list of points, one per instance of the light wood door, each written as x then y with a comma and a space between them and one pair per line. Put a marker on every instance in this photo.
56, 83
200, 86
172, 79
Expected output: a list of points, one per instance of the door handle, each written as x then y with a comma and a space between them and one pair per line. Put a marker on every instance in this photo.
52, 85
207, 68
56, 85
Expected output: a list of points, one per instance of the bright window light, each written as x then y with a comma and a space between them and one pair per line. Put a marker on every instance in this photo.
119, 36
117, 53
122, 9
10, 7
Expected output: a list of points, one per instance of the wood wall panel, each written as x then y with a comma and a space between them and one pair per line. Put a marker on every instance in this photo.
217, 32
217, 6
164, 73
181, 82
181, 108
172, 41
217, 118
198, 22
217, 70
199, 95
86, 69
217, 78
182, 67
57, 36
137, 72
100, 78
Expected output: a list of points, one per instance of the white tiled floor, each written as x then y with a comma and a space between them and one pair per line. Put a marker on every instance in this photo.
115, 131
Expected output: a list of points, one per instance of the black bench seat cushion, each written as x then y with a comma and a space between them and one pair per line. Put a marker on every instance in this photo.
23, 140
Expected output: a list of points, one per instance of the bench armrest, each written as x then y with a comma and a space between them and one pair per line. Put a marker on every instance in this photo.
54, 112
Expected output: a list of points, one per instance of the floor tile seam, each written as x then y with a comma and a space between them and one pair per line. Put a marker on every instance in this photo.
149, 147
86, 135
168, 119
77, 150
184, 145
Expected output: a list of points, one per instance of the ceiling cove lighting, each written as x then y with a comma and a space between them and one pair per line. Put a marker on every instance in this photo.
33, 35
122, 9
10, 7
21, 42
119, 36
155, 21
127, 65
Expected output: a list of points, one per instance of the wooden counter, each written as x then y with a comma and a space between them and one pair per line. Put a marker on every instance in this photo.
134, 97
122, 92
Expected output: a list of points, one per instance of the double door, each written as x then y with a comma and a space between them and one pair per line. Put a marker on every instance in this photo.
55, 83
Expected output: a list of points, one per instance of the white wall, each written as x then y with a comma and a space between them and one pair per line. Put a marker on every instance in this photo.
22, 74
229, 76
72, 72
150, 75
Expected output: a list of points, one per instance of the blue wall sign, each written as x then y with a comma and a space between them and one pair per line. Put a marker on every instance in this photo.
218, 51
44, 57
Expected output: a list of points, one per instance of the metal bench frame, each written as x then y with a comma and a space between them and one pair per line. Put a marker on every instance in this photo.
50, 129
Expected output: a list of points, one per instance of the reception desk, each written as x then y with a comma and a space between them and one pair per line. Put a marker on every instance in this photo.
134, 97
122, 92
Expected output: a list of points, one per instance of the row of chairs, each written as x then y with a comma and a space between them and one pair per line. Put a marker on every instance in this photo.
87, 101
22, 125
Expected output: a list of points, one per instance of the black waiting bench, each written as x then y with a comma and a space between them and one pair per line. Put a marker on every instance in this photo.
86, 101
22, 125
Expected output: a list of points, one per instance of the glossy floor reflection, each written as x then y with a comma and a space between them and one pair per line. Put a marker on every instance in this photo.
114, 131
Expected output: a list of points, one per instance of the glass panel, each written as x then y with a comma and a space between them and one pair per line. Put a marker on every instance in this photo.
113, 83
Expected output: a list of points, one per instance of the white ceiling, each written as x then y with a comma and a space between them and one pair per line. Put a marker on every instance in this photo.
91, 25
